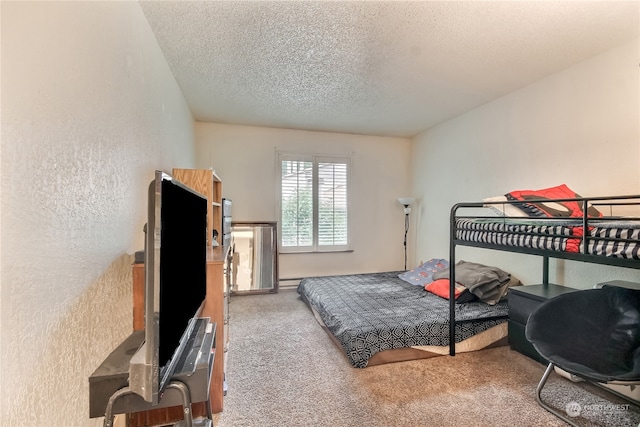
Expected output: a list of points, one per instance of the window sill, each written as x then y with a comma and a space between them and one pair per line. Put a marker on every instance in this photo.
315, 252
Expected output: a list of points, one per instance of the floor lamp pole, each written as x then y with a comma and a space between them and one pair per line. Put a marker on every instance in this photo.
406, 201
406, 229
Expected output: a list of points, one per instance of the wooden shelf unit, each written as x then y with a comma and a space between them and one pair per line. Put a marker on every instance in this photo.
207, 183
214, 308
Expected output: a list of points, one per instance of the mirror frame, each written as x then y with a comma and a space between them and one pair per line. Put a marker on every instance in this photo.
274, 226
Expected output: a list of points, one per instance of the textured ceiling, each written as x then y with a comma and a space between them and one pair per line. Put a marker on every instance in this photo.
379, 68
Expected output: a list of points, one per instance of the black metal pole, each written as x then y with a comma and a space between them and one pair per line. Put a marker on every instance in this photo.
406, 229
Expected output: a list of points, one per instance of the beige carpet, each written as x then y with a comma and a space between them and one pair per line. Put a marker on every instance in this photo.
284, 371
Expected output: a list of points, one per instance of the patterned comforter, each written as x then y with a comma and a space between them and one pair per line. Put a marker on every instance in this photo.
369, 313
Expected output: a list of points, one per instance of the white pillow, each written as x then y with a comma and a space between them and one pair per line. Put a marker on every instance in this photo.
506, 209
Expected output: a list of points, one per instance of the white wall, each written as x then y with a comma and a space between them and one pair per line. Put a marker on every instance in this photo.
89, 110
245, 159
580, 127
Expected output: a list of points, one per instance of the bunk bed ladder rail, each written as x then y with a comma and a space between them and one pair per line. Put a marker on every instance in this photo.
452, 280
452, 272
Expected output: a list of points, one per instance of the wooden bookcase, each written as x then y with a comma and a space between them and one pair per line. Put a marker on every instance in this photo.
214, 308
207, 183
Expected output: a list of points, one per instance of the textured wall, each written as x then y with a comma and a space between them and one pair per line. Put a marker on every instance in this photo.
579, 127
89, 110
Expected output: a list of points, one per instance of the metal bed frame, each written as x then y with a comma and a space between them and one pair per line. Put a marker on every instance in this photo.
632, 200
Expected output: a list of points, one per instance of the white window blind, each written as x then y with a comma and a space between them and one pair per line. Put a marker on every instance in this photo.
314, 203
297, 204
332, 204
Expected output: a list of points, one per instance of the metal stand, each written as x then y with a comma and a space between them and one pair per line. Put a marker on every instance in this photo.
110, 392
541, 384
182, 389
559, 414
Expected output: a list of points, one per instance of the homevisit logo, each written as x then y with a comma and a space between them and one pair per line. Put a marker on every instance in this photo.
574, 409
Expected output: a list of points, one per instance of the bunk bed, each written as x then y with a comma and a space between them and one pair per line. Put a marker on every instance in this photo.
586, 229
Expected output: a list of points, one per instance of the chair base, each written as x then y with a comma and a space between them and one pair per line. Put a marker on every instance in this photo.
541, 384
559, 414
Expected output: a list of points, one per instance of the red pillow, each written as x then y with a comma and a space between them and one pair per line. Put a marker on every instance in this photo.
440, 287
572, 209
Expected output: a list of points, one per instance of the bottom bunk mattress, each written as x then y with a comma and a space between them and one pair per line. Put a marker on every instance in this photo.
371, 313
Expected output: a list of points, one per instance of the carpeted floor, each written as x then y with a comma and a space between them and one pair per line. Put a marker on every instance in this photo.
284, 371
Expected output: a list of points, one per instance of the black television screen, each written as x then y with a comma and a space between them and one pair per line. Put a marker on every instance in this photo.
175, 281
182, 263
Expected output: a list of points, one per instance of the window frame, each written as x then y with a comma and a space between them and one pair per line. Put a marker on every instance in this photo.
315, 159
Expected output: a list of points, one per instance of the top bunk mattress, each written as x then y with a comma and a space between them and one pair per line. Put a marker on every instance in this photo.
607, 238
369, 313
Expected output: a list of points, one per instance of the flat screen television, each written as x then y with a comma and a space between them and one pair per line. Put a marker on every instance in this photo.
175, 282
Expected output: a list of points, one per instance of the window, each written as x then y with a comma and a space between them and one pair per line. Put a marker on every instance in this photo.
314, 203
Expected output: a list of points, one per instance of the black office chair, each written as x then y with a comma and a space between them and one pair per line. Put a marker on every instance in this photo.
593, 334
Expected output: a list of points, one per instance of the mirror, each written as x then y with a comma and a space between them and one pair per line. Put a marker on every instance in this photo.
255, 257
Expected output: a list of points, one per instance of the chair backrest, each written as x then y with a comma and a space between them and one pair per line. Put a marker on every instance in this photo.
592, 333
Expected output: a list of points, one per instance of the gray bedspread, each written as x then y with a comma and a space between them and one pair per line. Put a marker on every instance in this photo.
369, 313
